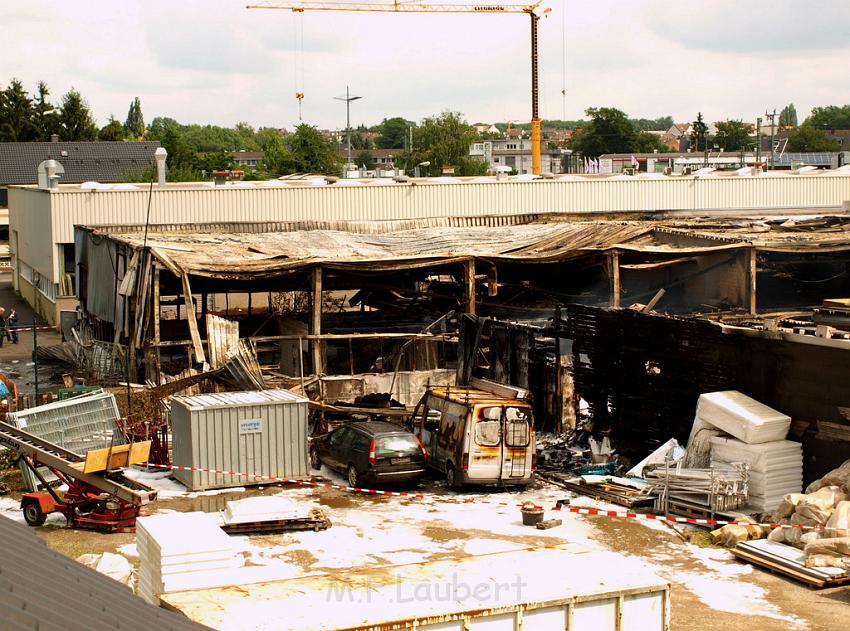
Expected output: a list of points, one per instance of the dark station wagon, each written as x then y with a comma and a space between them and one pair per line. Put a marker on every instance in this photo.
371, 452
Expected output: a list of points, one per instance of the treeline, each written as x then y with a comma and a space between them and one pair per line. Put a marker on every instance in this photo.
26, 117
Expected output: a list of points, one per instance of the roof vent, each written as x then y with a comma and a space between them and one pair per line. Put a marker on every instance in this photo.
49, 173
160, 155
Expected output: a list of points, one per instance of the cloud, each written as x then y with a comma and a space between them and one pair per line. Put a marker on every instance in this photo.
778, 26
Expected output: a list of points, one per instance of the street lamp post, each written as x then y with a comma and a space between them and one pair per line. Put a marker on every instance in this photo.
348, 99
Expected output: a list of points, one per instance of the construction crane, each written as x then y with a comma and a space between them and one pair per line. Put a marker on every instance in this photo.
414, 7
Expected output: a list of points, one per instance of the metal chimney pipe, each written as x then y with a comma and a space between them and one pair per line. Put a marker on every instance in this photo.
160, 155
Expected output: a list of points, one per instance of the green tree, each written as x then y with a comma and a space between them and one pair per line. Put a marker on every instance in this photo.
112, 131
75, 118
699, 135
215, 161
264, 134
308, 151
44, 114
135, 123
275, 161
16, 114
652, 124
161, 125
444, 141
788, 116
829, 117
394, 133
364, 160
808, 138
361, 142
182, 162
733, 135
609, 131
648, 143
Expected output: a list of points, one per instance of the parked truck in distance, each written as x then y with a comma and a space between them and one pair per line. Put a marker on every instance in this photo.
482, 433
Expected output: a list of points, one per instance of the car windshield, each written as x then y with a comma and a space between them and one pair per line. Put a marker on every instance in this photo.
397, 444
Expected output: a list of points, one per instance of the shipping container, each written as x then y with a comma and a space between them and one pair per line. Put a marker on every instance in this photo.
258, 433
542, 589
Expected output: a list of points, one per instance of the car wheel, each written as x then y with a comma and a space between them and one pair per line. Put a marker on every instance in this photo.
33, 514
451, 478
315, 461
353, 479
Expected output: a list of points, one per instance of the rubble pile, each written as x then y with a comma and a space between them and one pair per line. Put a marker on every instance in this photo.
823, 512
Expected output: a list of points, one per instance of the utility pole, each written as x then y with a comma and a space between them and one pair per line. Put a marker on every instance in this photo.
348, 99
772, 116
758, 140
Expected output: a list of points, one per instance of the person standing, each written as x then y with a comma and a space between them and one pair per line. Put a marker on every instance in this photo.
2, 326
12, 325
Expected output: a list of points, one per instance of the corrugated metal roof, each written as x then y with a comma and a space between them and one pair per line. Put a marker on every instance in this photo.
83, 161
41, 589
235, 399
220, 253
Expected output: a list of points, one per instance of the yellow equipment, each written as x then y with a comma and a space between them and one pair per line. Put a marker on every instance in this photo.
414, 7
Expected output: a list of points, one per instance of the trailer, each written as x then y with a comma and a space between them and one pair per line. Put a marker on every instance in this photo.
558, 588
99, 496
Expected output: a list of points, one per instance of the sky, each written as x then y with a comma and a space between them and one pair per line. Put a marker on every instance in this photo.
216, 62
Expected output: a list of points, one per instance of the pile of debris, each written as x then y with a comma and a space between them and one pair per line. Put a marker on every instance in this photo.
824, 511
812, 544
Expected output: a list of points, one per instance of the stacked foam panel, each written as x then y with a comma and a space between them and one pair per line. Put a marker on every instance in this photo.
182, 551
744, 418
776, 468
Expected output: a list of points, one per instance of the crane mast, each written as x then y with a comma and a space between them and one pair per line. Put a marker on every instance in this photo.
403, 7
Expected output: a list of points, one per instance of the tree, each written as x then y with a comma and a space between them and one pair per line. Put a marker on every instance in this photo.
364, 160
182, 162
264, 134
75, 118
829, 117
609, 131
444, 141
112, 131
788, 116
361, 142
275, 160
733, 135
16, 114
808, 138
44, 114
135, 123
394, 133
648, 143
161, 125
308, 151
699, 135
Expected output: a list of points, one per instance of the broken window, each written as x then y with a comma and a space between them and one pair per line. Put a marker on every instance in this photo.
517, 427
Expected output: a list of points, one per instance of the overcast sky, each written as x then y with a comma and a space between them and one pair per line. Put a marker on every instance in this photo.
213, 61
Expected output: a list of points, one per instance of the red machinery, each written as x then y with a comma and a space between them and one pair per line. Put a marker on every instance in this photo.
103, 500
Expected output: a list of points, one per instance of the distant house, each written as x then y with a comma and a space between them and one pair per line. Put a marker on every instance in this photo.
105, 162
515, 154
251, 159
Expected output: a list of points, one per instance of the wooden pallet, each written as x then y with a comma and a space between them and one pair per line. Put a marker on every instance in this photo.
627, 496
315, 521
786, 569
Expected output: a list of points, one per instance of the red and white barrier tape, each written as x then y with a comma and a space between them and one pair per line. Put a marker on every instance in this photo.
23, 329
578, 510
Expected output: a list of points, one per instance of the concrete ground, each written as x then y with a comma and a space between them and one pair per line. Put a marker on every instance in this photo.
711, 590
16, 360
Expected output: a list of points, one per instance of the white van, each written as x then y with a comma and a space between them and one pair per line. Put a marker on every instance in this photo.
477, 436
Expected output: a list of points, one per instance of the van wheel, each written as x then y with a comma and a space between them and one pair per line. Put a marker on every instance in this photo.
315, 461
451, 478
352, 476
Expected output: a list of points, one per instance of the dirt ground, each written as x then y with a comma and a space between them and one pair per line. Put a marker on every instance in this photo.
458, 527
